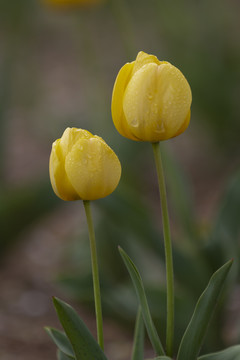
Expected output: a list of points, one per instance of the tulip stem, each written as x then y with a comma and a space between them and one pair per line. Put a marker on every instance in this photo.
168, 249
96, 284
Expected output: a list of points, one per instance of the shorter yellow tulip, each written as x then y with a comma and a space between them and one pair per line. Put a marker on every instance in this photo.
151, 100
82, 166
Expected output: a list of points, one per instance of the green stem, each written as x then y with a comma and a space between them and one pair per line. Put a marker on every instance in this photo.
96, 284
168, 249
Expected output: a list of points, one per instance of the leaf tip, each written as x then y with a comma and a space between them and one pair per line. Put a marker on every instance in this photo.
55, 300
47, 329
120, 250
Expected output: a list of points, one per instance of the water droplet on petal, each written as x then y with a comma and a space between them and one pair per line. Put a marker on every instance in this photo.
160, 128
134, 123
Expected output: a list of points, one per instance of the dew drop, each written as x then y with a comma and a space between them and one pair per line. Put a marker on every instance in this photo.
155, 108
134, 123
160, 128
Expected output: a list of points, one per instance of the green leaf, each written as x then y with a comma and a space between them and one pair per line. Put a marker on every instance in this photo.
161, 358
61, 341
194, 334
84, 345
139, 288
62, 356
232, 353
138, 343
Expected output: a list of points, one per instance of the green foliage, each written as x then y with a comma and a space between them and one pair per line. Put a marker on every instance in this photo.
203, 256
196, 330
84, 345
139, 288
80, 340
61, 341
138, 341
161, 358
62, 356
232, 353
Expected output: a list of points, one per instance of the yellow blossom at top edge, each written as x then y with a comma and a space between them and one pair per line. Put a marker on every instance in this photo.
67, 3
151, 100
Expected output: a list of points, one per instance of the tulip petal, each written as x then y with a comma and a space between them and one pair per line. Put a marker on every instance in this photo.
185, 124
120, 85
144, 59
176, 98
59, 180
70, 137
140, 106
93, 168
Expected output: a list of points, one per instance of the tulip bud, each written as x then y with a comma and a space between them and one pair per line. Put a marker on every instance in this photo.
82, 166
151, 100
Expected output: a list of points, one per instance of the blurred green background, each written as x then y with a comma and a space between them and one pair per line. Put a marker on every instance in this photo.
57, 69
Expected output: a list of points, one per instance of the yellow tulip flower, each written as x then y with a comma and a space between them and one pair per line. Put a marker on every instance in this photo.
82, 166
151, 100
73, 2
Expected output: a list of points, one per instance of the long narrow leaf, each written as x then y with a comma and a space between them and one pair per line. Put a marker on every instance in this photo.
62, 356
139, 288
138, 343
194, 334
84, 345
61, 341
232, 353
161, 358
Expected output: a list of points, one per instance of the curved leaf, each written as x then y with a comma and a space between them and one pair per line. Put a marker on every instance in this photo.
161, 358
138, 343
139, 288
194, 334
61, 341
84, 345
232, 353
62, 356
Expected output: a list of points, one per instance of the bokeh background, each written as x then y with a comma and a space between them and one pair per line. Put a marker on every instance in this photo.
57, 69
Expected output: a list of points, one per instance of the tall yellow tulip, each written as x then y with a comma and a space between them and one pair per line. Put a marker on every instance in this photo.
82, 166
151, 100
